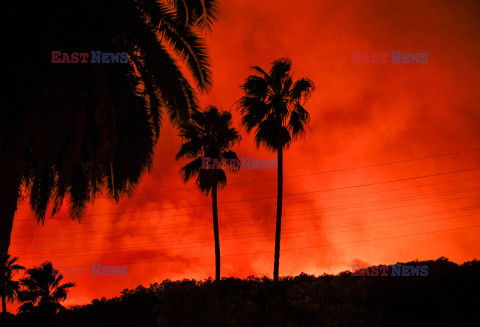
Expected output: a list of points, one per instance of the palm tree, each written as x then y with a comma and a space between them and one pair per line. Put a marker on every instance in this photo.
272, 106
42, 291
9, 288
209, 135
200, 14
75, 129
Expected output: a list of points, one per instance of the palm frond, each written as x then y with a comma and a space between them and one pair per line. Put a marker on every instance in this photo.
191, 169
256, 86
254, 111
196, 13
209, 134
302, 88
271, 105
231, 155
263, 73
190, 149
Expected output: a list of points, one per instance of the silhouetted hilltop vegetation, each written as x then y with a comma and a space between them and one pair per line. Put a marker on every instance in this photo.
448, 296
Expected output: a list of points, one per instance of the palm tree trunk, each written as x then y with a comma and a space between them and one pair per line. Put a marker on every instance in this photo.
278, 228
215, 233
10, 177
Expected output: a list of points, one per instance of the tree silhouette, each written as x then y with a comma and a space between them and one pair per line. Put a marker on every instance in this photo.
272, 106
75, 129
42, 291
446, 297
209, 135
9, 288
195, 13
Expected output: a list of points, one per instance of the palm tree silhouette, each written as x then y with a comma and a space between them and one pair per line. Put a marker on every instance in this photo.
272, 106
42, 291
75, 129
9, 288
209, 135
196, 13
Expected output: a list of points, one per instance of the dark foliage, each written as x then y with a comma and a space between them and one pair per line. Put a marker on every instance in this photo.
446, 297
79, 128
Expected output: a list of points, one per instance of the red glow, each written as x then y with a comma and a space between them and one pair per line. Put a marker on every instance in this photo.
362, 114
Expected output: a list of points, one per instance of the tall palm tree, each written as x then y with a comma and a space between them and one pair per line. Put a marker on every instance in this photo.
9, 288
272, 106
209, 135
71, 130
43, 291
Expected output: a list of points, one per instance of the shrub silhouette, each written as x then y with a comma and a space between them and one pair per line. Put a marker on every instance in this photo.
447, 296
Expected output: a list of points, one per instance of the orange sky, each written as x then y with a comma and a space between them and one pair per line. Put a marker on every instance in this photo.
362, 114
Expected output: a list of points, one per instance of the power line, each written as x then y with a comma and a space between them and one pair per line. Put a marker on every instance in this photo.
299, 248
323, 172
236, 226
295, 231
248, 235
373, 165
238, 209
334, 170
300, 193
286, 214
